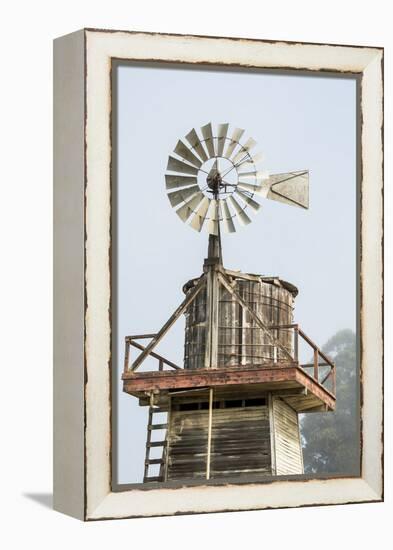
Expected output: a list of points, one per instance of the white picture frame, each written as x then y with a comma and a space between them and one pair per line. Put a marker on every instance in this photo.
82, 336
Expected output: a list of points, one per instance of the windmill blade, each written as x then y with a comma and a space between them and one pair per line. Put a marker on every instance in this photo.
193, 139
213, 215
207, 133
226, 216
173, 182
236, 136
200, 215
248, 162
245, 150
290, 188
176, 165
183, 151
243, 218
254, 205
213, 170
221, 135
261, 189
242, 157
249, 187
254, 174
183, 195
189, 207
258, 181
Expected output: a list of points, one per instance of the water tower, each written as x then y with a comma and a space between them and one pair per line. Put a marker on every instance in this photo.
232, 409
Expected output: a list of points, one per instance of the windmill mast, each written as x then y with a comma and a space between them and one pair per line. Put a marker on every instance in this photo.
211, 267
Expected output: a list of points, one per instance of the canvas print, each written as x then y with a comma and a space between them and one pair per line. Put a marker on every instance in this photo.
234, 276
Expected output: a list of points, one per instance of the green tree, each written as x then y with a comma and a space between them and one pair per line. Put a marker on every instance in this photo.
331, 440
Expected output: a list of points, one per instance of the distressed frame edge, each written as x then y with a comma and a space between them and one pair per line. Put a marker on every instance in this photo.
69, 277
372, 485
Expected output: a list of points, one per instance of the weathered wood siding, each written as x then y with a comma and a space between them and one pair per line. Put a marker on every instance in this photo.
240, 340
240, 442
286, 443
187, 444
195, 333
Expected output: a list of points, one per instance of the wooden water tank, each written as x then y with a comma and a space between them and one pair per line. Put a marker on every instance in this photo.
240, 340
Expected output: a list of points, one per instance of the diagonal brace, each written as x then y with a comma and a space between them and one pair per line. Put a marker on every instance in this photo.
172, 319
223, 280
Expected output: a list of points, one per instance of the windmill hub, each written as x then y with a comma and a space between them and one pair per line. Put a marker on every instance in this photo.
214, 182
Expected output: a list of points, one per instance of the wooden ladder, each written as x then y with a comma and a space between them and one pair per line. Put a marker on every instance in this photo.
150, 444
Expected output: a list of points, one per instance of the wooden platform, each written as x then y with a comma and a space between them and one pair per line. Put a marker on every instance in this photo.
302, 392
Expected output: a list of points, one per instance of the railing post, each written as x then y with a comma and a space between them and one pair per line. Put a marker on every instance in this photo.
334, 380
296, 342
160, 364
316, 364
126, 355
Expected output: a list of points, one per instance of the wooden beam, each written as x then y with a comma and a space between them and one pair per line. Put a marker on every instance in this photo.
319, 391
187, 378
254, 316
290, 392
271, 376
162, 360
171, 321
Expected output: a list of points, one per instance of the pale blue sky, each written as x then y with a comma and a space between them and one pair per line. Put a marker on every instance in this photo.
299, 122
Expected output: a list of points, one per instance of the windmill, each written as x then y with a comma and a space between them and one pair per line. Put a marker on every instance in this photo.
232, 409
230, 189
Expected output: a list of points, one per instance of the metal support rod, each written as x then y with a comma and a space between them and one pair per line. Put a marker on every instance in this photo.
209, 433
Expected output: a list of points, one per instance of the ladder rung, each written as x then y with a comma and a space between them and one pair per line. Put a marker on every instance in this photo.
157, 426
152, 478
154, 461
156, 444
